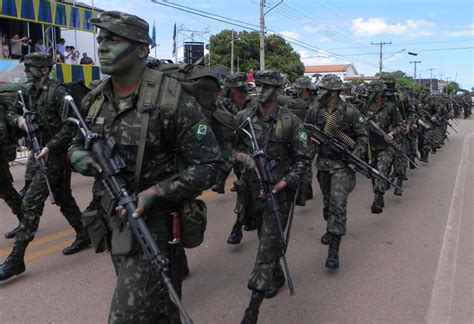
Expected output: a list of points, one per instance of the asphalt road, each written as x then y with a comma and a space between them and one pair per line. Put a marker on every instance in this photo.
413, 263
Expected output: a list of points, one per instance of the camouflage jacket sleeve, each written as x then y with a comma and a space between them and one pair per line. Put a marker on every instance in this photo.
63, 138
301, 155
310, 118
78, 140
360, 132
200, 151
396, 121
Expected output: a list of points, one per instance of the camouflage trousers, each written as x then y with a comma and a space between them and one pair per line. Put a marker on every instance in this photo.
7, 191
267, 268
438, 136
59, 176
141, 295
336, 187
400, 163
382, 160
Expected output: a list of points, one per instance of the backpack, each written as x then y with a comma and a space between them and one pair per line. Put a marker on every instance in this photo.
77, 89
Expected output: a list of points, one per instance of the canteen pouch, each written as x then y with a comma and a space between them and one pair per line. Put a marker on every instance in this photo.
97, 230
193, 222
123, 242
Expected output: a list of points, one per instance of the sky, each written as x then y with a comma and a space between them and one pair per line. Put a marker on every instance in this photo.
336, 31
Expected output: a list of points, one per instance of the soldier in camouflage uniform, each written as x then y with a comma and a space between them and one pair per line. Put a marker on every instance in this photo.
381, 155
336, 178
176, 134
280, 134
7, 154
45, 97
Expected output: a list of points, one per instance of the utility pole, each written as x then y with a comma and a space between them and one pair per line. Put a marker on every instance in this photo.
232, 53
431, 79
262, 35
414, 73
381, 44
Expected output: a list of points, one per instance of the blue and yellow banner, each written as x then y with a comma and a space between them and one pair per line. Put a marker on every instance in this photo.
48, 12
12, 71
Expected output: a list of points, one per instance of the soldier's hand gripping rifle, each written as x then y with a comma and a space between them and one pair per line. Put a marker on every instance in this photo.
267, 180
360, 165
32, 132
390, 141
115, 187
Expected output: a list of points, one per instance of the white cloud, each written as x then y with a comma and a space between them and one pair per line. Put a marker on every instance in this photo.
290, 34
316, 58
379, 26
324, 39
466, 32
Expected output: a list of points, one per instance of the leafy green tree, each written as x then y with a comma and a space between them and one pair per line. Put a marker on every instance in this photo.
452, 87
279, 54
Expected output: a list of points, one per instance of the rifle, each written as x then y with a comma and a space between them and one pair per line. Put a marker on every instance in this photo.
361, 166
116, 189
32, 130
267, 180
378, 130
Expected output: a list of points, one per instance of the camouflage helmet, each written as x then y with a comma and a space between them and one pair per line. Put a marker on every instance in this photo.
269, 77
331, 82
376, 86
387, 78
125, 25
235, 80
38, 60
303, 83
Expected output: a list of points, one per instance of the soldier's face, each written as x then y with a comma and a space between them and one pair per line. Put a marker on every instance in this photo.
33, 73
117, 55
266, 93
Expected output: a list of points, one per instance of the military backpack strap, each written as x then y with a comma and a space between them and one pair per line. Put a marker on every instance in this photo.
147, 101
98, 101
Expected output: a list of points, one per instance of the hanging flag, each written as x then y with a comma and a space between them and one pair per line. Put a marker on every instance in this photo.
153, 32
174, 40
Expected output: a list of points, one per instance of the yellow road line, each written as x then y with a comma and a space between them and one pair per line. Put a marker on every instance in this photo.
69, 233
42, 240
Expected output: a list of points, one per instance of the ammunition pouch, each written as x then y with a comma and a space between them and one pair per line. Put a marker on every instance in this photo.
97, 229
193, 215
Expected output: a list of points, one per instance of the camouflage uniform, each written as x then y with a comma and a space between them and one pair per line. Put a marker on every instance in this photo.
182, 133
382, 155
336, 180
56, 135
287, 148
7, 153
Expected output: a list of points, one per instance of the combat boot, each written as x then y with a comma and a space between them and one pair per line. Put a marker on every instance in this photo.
11, 234
326, 238
236, 234
378, 204
251, 313
332, 262
219, 188
397, 191
424, 155
14, 263
412, 165
433, 150
276, 285
81, 242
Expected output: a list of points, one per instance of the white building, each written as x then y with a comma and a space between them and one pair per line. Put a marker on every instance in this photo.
343, 71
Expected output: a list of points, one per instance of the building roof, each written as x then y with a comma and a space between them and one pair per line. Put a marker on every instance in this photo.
80, 4
362, 77
334, 68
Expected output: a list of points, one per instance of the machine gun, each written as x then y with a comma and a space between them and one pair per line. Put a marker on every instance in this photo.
390, 141
32, 131
267, 180
361, 166
115, 188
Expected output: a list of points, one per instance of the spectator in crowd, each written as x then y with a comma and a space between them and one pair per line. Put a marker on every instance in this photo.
5, 49
68, 55
39, 47
86, 60
16, 46
75, 55
61, 50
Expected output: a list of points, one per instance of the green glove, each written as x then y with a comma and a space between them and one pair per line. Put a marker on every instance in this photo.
84, 163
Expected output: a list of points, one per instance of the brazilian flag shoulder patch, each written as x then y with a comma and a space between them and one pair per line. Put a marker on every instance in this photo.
303, 136
201, 130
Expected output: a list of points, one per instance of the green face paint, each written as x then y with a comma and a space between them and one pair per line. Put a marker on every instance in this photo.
266, 93
33, 73
113, 57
